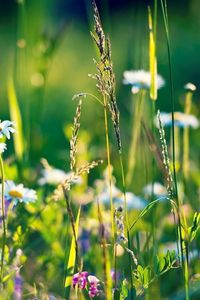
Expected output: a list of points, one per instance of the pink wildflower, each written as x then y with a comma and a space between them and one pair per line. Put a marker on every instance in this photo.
94, 286
80, 279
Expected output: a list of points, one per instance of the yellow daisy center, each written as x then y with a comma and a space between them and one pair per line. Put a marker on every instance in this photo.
15, 194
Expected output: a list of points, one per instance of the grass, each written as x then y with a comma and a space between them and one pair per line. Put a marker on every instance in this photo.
95, 221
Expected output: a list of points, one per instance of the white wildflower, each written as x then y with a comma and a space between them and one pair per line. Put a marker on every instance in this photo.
18, 193
3, 147
190, 87
180, 120
6, 127
157, 189
141, 79
52, 176
132, 201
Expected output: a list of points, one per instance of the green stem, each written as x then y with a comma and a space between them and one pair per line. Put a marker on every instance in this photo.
165, 18
135, 136
109, 163
3, 217
186, 273
126, 220
188, 102
108, 280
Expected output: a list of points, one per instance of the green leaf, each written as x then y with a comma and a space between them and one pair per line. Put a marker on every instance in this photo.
147, 276
16, 117
195, 227
140, 274
125, 290
161, 264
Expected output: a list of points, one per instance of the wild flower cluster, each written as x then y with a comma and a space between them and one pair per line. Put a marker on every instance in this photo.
84, 281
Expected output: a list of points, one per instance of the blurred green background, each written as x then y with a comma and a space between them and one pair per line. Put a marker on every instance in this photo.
47, 48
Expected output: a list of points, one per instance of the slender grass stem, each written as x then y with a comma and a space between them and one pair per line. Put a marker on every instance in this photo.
95, 98
21, 72
186, 273
109, 287
153, 174
135, 136
109, 163
166, 24
72, 221
106, 265
126, 219
188, 102
3, 217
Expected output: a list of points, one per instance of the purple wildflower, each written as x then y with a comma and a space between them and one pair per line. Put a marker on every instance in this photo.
7, 202
84, 241
113, 275
94, 286
80, 279
18, 286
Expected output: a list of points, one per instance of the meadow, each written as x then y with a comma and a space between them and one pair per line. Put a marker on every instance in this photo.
99, 150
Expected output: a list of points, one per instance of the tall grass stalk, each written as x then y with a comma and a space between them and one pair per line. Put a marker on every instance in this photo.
3, 218
126, 220
106, 260
22, 72
107, 278
135, 136
187, 109
109, 163
166, 25
177, 149
16, 118
153, 88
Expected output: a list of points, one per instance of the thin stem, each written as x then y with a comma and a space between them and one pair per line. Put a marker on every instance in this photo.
109, 163
186, 273
135, 136
115, 265
126, 219
3, 216
187, 109
155, 21
165, 18
105, 252
109, 285
94, 97
72, 221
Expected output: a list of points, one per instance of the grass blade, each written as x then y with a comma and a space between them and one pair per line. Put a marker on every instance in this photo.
148, 207
152, 58
16, 117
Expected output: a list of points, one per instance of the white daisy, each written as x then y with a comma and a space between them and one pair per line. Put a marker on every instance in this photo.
6, 127
3, 147
180, 120
141, 79
158, 189
190, 87
132, 201
103, 190
18, 193
53, 176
